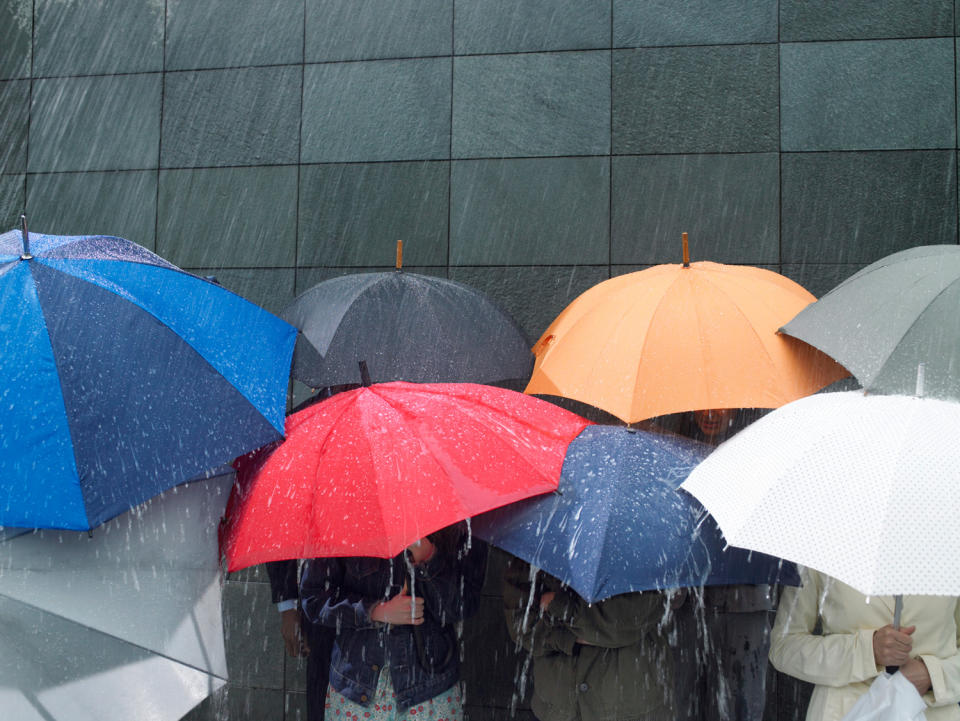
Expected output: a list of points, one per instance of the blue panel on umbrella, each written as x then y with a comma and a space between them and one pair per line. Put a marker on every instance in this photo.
94, 247
34, 438
136, 391
619, 523
177, 298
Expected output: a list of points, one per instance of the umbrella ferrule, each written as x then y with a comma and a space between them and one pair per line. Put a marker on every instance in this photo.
25, 239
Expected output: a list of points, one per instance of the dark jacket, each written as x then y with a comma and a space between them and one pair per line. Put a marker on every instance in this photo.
622, 673
340, 593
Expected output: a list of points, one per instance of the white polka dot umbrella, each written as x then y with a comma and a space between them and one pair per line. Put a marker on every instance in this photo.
863, 488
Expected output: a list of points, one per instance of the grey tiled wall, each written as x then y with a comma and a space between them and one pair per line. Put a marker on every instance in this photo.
531, 148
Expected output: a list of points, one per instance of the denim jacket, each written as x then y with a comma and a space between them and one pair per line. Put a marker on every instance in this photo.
340, 593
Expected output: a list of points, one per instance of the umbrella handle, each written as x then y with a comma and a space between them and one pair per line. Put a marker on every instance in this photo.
897, 611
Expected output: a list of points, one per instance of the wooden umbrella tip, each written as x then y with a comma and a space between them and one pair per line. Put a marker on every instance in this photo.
399, 254
686, 251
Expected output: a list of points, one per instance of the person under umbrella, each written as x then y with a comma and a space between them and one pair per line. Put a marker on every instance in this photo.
396, 652
862, 488
859, 639
723, 631
607, 660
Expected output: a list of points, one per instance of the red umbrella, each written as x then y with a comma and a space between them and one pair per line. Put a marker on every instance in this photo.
371, 470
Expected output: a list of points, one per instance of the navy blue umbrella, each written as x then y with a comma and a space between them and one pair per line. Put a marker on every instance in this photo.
121, 376
618, 521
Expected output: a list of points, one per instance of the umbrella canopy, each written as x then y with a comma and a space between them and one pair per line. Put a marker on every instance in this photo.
407, 327
122, 624
371, 470
122, 376
618, 523
863, 488
892, 316
676, 338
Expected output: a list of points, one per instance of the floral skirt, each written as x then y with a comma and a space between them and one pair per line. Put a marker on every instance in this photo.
445, 706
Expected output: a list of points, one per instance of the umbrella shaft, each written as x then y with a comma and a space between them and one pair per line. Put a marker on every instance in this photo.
897, 611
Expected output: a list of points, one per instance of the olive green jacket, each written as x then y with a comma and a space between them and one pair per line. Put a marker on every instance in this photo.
620, 671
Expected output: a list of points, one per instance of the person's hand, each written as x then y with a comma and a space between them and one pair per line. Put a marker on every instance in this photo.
400, 610
293, 638
915, 671
892, 647
421, 551
677, 598
545, 600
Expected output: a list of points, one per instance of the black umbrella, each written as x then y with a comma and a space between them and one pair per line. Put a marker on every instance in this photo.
406, 326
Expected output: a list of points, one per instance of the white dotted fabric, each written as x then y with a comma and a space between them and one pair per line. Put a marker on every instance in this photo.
863, 488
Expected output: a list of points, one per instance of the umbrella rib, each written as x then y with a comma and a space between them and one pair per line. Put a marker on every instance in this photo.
643, 346
319, 454
749, 324
385, 520
480, 402
150, 651
66, 415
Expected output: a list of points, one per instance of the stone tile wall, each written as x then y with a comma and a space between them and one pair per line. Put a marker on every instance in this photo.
531, 149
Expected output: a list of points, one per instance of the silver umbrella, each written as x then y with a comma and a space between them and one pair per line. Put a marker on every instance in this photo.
121, 623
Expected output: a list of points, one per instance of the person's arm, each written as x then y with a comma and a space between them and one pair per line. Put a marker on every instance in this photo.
325, 600
944, 673
527, 625
836, 659
284, 591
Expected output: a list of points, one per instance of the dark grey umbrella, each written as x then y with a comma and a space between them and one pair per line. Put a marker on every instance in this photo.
406, 327
884, 322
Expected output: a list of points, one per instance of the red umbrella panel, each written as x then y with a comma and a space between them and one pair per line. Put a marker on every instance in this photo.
371, 470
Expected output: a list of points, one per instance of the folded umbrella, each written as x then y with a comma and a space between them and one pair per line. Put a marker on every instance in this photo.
122, 376
618, 522
124, 624
883, 322
682, 337
369, 471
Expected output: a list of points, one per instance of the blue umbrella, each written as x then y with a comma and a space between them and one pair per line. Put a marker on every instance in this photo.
618, 521
121, 376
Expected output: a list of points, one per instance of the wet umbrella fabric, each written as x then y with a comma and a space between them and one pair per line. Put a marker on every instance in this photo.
371, 470
618, 522
863, 488
407, 327
122, 376
887, 319
671, 338
124, 624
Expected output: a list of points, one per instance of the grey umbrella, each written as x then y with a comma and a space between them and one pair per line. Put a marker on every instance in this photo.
124, 623
883, 322
406, 326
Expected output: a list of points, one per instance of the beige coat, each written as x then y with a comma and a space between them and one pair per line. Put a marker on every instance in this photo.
840, 662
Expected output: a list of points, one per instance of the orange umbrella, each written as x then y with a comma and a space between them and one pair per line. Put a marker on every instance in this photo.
681, 337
